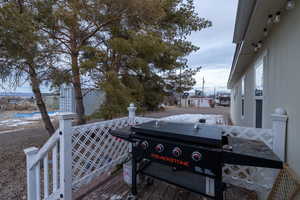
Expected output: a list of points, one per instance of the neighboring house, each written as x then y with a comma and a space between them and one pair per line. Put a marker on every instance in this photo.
223, 99
194, 101
51, 100
265, 73
92, 100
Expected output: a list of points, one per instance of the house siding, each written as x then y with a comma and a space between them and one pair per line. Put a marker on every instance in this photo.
281, 82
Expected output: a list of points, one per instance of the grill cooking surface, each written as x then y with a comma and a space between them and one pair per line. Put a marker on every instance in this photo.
185, 132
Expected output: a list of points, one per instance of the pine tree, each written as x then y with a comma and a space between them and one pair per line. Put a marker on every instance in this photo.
80, 24
24, 52
140, 52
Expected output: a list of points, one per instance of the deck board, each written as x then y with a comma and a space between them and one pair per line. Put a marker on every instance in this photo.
115, 189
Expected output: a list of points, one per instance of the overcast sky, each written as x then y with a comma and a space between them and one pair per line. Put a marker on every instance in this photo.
216, 47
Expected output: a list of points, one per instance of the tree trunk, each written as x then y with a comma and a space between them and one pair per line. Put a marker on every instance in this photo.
35, 84
77, 89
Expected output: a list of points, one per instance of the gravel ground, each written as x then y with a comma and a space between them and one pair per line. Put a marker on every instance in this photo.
12, 157
12, 160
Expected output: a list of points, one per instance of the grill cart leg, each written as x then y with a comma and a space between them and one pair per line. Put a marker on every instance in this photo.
219, 186
133, 186
219, 192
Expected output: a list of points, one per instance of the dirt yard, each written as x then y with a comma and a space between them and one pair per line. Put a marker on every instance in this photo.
12, 158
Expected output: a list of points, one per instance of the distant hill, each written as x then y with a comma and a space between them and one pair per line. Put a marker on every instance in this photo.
16, 94
21, 94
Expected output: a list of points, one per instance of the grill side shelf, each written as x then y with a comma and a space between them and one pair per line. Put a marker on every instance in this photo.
251, 153
240, 159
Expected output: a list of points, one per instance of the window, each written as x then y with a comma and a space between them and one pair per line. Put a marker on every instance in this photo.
243, 87
243, 96
258, 85
259, 71
243, 107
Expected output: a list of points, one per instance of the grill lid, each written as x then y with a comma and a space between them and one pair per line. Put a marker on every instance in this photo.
185, 132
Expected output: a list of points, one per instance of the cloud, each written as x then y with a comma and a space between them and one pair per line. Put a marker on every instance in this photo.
214, 78
216, 47
215, 56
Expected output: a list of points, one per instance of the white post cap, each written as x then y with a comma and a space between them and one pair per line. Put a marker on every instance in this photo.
31, 150
280, 111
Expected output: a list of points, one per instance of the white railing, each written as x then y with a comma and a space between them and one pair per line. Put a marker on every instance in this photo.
53, 158
74, 156
34, 159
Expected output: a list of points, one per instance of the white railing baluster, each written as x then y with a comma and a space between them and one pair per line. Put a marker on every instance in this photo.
38, 180
46, 176
54, 168
65, 128
31, 179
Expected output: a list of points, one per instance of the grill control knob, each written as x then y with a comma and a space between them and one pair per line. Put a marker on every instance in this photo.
196, 156
177, 152
144, 145
159, 148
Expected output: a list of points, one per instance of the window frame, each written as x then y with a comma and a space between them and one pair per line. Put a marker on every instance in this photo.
243, 90
257, 66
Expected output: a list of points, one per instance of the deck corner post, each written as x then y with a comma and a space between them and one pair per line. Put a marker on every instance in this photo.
279, 128
131, 113
65, 128
31, 173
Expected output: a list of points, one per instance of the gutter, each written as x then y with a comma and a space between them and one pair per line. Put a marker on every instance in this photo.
235, 59
240, 45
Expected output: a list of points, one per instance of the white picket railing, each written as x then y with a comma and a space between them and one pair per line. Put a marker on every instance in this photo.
34, 158
74, 156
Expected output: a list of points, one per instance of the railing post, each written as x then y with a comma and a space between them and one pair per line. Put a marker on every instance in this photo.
279, 126
131, 113
31, 173
65, 128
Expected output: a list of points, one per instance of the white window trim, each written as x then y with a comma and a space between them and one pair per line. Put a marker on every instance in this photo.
243, 86
261, 60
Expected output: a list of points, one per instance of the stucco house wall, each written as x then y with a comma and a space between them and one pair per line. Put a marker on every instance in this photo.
281, 78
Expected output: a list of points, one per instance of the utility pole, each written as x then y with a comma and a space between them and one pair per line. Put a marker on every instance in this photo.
180, 88
203, 82
214, 92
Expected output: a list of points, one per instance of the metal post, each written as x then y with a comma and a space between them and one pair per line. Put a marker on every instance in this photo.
134, 175
219, 186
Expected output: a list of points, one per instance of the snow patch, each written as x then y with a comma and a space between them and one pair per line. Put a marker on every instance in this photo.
14, 122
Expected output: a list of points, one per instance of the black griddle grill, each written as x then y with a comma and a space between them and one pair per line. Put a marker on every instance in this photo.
191, 155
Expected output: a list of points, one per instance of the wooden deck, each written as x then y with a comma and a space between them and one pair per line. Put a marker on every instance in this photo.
114, 188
